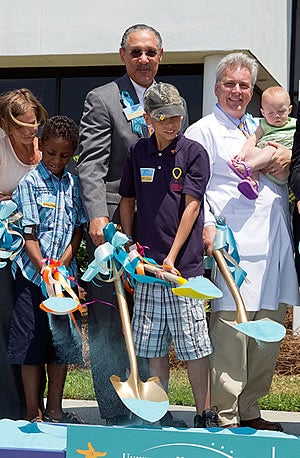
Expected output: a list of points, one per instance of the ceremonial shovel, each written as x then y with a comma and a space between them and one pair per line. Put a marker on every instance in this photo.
265, 330
147, 400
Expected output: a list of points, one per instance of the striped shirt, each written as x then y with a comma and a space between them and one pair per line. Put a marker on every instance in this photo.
54, 206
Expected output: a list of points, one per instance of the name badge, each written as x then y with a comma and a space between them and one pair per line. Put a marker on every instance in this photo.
133, 111
48, 201
147, 175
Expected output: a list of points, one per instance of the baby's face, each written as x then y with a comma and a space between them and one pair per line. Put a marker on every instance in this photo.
276, 110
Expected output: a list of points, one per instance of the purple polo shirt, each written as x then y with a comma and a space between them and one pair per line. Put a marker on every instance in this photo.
159, 181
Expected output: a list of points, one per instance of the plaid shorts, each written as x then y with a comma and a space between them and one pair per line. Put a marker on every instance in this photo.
159, 316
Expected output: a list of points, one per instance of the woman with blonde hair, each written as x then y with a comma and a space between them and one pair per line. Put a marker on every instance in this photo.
20, 116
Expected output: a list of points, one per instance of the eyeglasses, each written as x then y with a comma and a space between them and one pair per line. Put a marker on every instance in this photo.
230, 85
135, 53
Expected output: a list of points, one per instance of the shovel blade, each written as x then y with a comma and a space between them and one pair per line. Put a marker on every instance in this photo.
198, 288
59, 305
147, 400
265, 330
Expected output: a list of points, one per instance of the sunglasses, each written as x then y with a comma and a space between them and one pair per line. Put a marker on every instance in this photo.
135, 53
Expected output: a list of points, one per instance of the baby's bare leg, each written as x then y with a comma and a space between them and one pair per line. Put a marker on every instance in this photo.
257, 159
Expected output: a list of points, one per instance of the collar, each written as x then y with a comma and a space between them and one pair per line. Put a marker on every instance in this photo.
41, 167
140, 90
171, 150
247, 119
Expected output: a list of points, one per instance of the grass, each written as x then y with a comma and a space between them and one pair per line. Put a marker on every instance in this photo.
283, 396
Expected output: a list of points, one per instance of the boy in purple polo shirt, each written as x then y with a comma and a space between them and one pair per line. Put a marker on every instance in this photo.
166, 176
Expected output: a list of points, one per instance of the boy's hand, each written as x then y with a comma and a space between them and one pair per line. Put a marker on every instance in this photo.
208, 236
168, 266
4, 196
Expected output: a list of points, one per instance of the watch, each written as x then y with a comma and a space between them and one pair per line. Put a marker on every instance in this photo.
28, 230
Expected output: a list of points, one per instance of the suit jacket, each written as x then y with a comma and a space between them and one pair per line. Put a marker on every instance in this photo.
105, 136
295, 165
294, 180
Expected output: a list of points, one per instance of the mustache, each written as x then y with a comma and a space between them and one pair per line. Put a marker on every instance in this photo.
144, 67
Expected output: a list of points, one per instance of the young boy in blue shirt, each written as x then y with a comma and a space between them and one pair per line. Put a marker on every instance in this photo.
166, 176
49, 199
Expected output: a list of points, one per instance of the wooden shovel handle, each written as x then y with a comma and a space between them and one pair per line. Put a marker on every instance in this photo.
125, 319
241, 315
167, 275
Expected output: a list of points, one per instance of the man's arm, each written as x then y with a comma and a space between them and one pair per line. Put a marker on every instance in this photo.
93, 163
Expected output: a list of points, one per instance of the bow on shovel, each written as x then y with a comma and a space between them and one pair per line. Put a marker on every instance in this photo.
196, 288
265, 330
55, 278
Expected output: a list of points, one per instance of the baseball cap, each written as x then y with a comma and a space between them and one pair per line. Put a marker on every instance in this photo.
163, 101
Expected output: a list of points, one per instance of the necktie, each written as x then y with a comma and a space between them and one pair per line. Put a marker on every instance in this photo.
241, 126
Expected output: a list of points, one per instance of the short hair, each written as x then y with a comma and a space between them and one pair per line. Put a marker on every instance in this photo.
272, 91
136, 28
61, 127
237, 59
16, 103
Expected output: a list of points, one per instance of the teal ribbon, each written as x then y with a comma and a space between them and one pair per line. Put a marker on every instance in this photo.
113, 250
224, 239
138, 125
11, 239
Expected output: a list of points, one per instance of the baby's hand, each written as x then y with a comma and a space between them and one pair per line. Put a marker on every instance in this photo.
298, 206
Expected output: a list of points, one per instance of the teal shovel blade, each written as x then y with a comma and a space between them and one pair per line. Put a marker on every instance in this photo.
265, 330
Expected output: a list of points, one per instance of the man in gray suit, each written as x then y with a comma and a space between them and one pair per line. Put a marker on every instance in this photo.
112, 120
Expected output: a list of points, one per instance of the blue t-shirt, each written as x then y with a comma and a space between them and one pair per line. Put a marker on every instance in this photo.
159, 181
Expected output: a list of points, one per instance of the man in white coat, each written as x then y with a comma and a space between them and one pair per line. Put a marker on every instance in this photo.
241, 369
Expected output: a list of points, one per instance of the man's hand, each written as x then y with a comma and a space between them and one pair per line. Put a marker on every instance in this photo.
208, 236
280, 161
96, 230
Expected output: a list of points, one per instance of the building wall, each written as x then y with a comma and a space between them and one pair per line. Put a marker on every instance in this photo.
87, 32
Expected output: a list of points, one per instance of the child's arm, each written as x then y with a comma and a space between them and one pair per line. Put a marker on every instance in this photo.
32, 248
127, 208
72, 248
189, 216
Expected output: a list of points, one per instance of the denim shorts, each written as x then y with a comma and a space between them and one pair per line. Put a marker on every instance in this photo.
37, 337
159, 316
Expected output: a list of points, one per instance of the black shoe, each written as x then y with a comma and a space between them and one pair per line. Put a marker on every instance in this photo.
168, 420
118, 420
208, 419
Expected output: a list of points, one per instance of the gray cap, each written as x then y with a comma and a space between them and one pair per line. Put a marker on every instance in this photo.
163, 101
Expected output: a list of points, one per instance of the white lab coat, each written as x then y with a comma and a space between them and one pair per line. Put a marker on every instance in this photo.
261, 227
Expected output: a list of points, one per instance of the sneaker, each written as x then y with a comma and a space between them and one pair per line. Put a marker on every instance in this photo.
168, 420
68, 417
118, 420
199, 421
208, 419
